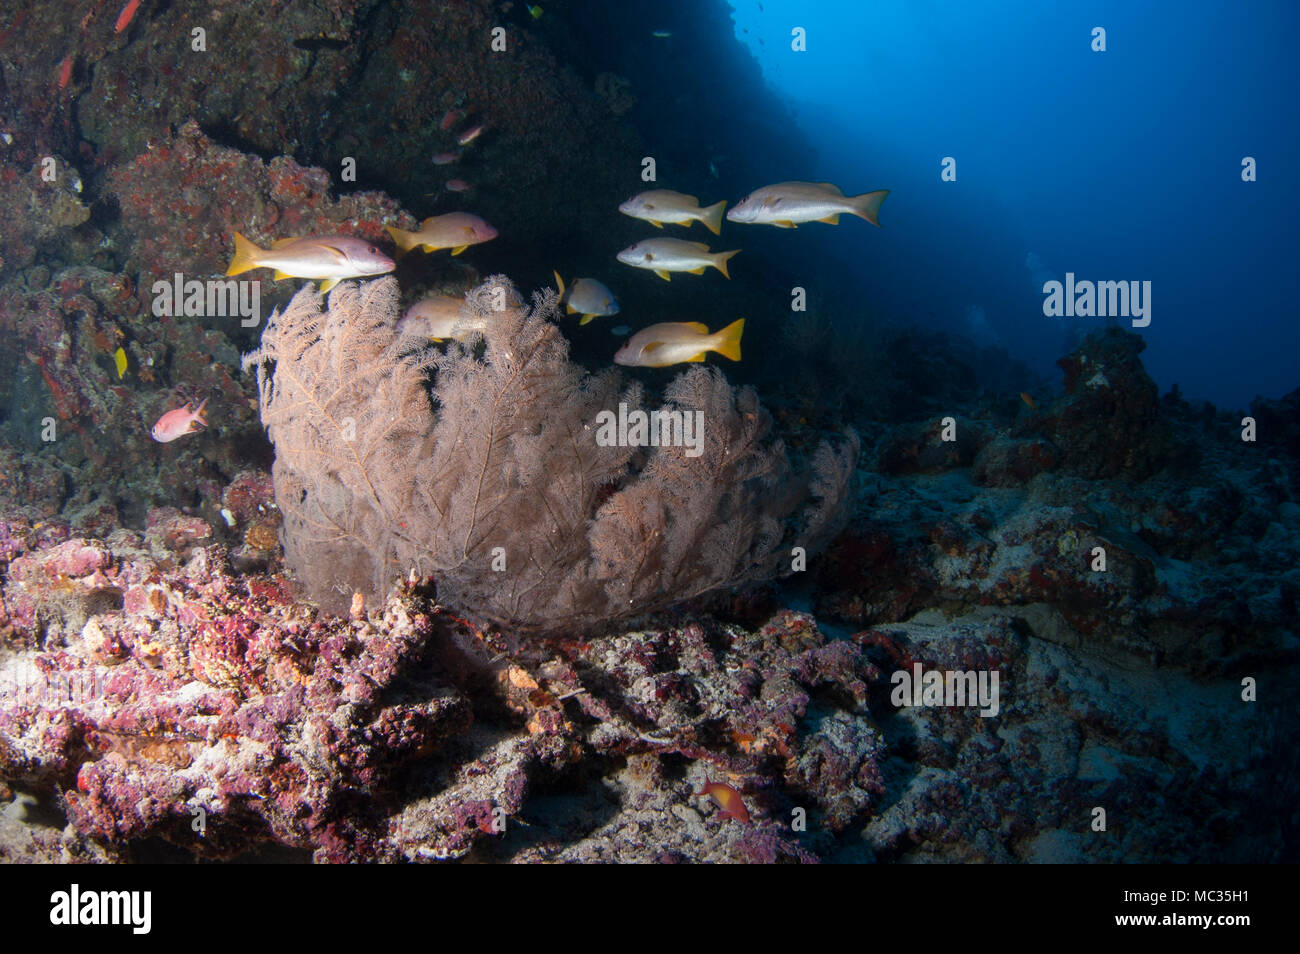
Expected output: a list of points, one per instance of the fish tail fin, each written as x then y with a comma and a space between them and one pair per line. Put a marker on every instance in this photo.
245, 256
867, 205
712, 217
198, 414
403, 239
720, 261
558, 281
728, 340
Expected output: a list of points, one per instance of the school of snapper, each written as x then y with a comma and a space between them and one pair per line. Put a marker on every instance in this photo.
330, 259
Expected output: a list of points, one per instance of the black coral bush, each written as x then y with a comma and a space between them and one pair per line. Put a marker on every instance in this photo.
492, 479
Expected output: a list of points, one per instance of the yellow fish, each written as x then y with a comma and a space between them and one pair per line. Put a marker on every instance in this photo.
673, 342
119, 362
455, 230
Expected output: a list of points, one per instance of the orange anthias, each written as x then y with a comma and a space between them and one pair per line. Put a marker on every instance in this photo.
727, 799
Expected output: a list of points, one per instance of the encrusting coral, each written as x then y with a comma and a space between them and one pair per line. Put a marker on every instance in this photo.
494, 482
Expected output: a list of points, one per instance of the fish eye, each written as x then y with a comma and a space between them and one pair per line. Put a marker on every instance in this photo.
649, 205
372, 248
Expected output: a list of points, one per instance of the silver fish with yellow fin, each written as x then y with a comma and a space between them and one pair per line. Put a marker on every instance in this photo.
665, 255
676, 208
787, 204
327, 258
673, 342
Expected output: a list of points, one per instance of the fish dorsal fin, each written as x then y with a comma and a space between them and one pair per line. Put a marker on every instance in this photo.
831, 187
281, 243
699, 326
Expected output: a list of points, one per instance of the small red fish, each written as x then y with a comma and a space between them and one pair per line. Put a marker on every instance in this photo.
727, 799
457, 185
470, 135
178, 423
124, 18
65, 71
445, 158
1029, 402
450, 118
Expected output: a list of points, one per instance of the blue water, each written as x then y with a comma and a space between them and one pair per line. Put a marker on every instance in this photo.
1116, 165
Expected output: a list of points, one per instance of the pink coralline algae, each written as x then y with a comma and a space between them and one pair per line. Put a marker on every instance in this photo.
162, 695
154, 694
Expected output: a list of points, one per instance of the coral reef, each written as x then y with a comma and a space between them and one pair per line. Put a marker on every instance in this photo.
1106, 384
182, 199
83, 428
172, 701
543, 648
41, 205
